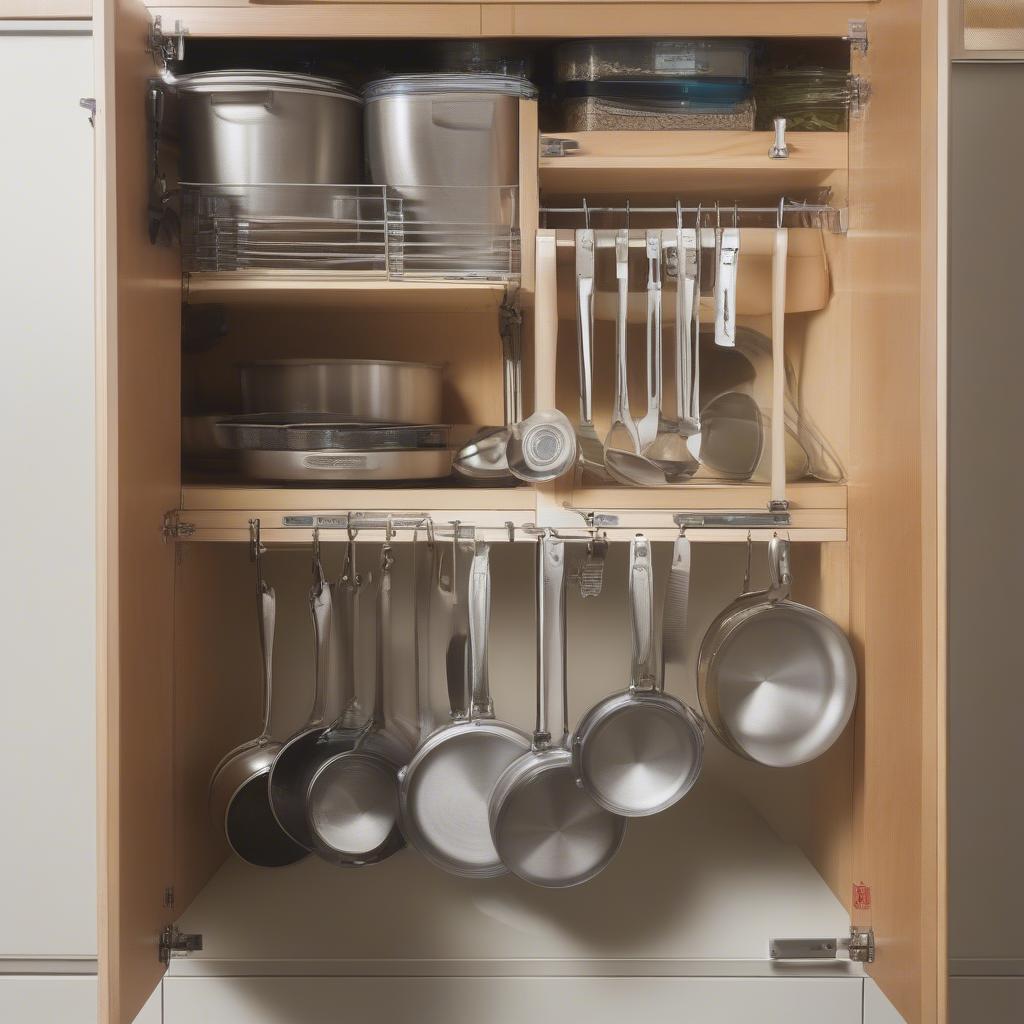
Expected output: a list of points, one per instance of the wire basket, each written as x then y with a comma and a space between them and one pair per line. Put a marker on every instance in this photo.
362, 231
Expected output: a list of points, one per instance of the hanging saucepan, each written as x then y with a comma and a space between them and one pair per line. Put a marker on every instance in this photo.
446, 787
290, 773
239, 795
640, 751
777, 680
546, 828
352, 801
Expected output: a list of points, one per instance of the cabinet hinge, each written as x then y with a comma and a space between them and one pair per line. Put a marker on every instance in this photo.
857, 34
859, 947
173, 528
860, 93
165, 48
178, 943
551, 145
89, 103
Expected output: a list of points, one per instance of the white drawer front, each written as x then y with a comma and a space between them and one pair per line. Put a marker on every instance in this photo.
511, 1000
47, 999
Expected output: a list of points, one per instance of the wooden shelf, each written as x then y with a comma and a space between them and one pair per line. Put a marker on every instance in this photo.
289, 289
222, 513
735, 164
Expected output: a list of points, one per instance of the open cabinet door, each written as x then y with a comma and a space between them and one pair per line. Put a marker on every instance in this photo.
138, 400
896, 503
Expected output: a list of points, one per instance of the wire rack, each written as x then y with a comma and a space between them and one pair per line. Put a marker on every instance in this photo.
362, 231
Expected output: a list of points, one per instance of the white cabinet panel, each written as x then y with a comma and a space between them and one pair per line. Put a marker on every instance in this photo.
986, 1000
38, 999
878, 1009
47, 520
511, 1000
153, 1011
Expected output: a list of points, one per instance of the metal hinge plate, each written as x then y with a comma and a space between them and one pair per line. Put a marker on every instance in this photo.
165, 48
172, 527
857, 34
860, 93
859, 947
551, 145
178, 943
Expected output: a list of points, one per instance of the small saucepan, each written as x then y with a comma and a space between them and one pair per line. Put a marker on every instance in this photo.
546, 828
777, 680
640, 751
239, 794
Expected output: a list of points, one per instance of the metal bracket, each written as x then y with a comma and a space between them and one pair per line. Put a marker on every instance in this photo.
860, 93
857, 34
859, 947
358, 521
165, 48
89, 104
172, 527
178, 943
747, 520
551, 145
779, 150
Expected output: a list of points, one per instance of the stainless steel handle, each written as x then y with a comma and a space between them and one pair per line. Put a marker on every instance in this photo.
423, 586
779, 574
620, 413
321, 610
479, 625
725, 289
378, 717
677, 607
264, 100
585, 263
654, 351
267, 619
641, 609
552, 709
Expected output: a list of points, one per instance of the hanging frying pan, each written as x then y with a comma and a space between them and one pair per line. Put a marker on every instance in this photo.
777, 680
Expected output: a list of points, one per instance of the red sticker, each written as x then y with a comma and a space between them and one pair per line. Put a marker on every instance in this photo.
861, 896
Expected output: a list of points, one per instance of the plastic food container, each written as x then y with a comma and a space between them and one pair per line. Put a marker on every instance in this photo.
811, 99
592, 60
644, 105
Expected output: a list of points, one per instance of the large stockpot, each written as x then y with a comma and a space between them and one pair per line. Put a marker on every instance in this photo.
445, 130
355, 390
269, 127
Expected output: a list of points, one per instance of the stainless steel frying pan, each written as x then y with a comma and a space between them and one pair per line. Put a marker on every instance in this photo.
777, 680
446, 787
239, 796
640, 751
546, 829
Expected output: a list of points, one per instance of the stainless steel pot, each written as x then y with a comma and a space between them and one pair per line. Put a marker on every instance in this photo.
269, 127
355, 390
445, 130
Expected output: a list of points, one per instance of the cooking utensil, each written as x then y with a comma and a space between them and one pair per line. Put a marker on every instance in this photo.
669, 449
258, 127
725, 287
591, 572
353, 466
649, 424
239, 799
591, 449
622, 446
731, 438
546, 829
290, 772
316, 432
639, 752
445, 789
777, 680
457, 660
543, 446
352, 801
352, 390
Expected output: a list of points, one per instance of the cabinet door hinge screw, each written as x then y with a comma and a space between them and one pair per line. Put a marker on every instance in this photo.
173, 528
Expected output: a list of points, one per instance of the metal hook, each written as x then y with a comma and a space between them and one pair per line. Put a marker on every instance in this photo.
746, 571
389, 529
510, 527
430, 531
627, 214
718, 216
781, 212
735, 214
586, 213
255, 544
679, 215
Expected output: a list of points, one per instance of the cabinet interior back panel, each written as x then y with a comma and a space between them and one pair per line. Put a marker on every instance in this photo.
713, 878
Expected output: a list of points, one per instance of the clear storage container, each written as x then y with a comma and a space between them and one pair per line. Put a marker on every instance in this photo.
592, 60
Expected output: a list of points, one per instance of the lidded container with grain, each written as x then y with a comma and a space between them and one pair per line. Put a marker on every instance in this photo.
599, 60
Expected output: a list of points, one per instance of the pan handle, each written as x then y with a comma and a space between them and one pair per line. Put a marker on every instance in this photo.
321, 610
641, 607
267, 618
552, 710
779, 574
481, 706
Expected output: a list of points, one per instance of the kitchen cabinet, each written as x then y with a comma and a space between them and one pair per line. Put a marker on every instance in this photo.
688, 911
48, 623
42, 999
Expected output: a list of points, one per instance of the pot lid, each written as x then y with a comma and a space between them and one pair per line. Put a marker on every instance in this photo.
212, 81
408, 85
